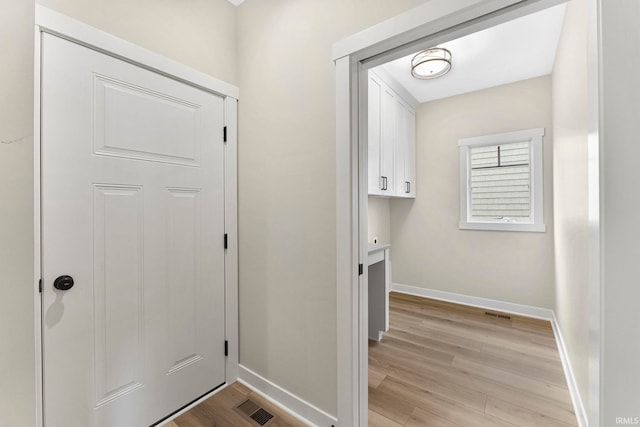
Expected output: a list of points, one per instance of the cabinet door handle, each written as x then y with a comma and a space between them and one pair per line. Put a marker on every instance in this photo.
382, 179
384, 186
407, 187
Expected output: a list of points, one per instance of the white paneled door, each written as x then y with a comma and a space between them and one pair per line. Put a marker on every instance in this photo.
133, 215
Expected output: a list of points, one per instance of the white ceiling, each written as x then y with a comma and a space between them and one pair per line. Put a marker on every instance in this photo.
517, 50
236, 2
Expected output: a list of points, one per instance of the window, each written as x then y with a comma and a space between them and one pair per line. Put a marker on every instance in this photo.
501, 182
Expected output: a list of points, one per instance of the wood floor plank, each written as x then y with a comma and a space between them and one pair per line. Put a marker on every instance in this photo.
377, 420
520, 415
502, 372
470, 390
474, 317
429, 378
492, 355
537, 386
219, 411
376, 376
418, 352
419, 329
520, 354
395, 335
560, 407
422, 418
444, 408
389, 405
460, 333
537, 325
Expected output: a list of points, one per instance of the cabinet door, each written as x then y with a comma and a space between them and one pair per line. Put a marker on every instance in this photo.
405, 151
375, 182
387, 142
410, 154
401, 186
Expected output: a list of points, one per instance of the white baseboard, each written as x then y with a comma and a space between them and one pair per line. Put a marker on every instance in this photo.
299, 408
506, 307
578, 407
523, 310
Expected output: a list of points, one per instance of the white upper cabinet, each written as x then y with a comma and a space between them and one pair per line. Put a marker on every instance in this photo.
387, 141
391, 133
405, 145
375, 180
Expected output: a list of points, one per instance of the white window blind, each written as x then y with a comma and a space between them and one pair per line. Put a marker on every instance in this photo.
500, 181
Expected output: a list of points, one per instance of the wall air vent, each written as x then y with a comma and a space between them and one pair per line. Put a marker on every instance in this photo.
500, 316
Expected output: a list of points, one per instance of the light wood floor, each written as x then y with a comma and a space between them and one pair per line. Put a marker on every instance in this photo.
218, 411
439, 365
445, 364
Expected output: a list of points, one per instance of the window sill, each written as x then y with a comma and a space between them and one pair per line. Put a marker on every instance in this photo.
502, 226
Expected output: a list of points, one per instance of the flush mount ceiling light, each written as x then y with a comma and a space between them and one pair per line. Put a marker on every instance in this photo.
431, 63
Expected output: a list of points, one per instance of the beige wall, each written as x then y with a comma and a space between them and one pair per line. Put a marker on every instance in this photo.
197, 33
17, 376
428, 248
379, 217
287, 187
570, 190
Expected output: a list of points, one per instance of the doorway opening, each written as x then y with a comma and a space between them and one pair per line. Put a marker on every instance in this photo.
363, 63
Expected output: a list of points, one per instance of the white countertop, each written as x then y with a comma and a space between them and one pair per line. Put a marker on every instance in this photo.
374, 247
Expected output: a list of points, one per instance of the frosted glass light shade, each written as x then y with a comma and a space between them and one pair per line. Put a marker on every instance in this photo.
431, 63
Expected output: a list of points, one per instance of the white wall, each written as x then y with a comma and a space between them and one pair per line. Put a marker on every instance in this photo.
17, 376
199, 33
619, 207
570, 190
379, 217
428, 248
287, 187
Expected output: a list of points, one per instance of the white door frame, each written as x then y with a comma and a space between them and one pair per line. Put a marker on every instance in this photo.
48, 21
435, 22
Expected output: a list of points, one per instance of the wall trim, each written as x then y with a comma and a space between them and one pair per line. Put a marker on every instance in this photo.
520, 309
507, 307
52, 22
294, 405
578, 407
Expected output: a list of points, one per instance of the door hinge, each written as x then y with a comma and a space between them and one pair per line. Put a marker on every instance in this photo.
224, 134
226, 241
226, 348
40, 286
360, 269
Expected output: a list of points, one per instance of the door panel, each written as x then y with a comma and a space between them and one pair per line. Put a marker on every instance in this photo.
135, 122
182, 272
118, 299
133, 210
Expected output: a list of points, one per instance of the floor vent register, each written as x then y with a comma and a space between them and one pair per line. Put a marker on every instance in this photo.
255, 412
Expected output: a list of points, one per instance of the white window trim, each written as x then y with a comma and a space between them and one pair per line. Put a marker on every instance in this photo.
536, 222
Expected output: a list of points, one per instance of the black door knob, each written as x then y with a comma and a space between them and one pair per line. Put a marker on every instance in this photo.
64, 283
